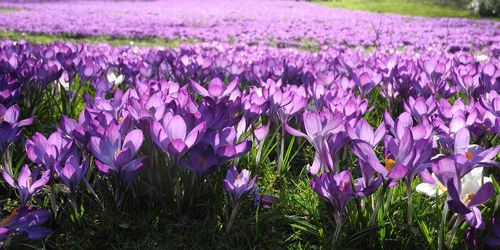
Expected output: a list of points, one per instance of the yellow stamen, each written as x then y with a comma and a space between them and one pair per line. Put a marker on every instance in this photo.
441, 187
30, 181
2, 118
469, 197
121, 119
238, 177
389, 163
468, 155
8, 219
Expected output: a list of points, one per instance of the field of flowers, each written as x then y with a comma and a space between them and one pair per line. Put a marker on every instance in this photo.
278, 124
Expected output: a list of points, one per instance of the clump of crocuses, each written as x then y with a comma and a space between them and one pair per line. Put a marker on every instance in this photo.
237, 184
115, 153
28, 182
336, 189
27, 221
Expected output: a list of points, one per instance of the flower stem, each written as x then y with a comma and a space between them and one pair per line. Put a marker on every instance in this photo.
409, 211
380, 201
338, 228
441, 227
454, 231
389, 197
282, 151
52, 198
231, 218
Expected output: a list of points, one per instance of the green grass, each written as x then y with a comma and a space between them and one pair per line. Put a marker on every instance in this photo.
405, 7
7, 9
147, 42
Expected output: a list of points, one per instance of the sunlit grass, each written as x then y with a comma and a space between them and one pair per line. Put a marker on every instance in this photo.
148, 42
405, 7
3, 9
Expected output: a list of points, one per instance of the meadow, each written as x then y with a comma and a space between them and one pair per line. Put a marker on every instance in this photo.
247, 124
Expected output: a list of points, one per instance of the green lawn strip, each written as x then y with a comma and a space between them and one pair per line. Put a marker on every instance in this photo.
405, 7
7, 9
113, 41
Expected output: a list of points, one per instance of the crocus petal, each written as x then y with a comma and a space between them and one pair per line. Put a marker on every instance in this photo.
295, 132
454, 203
195, 134
262, 131
176, 128
230, 87
379, 134
133, 141
26, 122
41, 182
242, 148
122, 157
399, 171
103, 168
4, 233
483, 195
37, 233
216, 87
8, 179
101, 151
462, 138
427, 189
177, 146
474, 219
130, 171
312, 123
316, 166
199, 89
24, 177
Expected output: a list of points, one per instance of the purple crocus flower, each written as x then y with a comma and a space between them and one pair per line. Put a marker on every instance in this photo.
334, 188
217, 90
73, 172
28, 182
491, 102
318, 132
395, 165
173, 134
362, 131
49, 152
226, 146
201, 160
471, 155
466, 202
293, 101
367, 80
220, 115
466, 78
238, 183
463, 198
254, 104
420, 107
9, 90
27, 221
10, 126
73, 129
433, 78
115, 155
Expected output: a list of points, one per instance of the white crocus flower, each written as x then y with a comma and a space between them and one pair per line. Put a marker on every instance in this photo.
482, 58
64, 83
471, 183
112, 78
